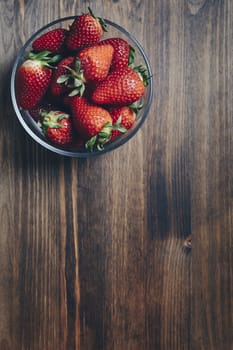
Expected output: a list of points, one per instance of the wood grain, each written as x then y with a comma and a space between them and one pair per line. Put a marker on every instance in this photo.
92, 251
212, 178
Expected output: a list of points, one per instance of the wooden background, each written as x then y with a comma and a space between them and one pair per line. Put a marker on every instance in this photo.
92, 252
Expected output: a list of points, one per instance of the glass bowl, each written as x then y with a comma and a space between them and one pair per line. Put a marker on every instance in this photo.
32, 127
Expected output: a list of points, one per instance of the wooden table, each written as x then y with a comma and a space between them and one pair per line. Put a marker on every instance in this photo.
95, 254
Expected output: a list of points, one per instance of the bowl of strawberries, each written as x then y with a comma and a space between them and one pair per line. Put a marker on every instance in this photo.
81, 86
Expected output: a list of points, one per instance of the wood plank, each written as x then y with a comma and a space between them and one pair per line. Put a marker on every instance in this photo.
210, 57
134, 208
39, 289
92, 251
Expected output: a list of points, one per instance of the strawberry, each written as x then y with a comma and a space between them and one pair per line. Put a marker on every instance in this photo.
95, 61
52, 41
123, 53
92, 123
33, 78
88, 119
121, 87
60, 78
90, 66
124, 115
85, 30
57, 127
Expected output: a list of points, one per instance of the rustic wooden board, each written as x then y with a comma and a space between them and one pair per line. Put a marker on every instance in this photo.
92, 252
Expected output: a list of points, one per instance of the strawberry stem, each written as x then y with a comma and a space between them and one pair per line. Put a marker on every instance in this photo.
74, 79
99, 19
117, 126
104, 135
51, 119
101, 138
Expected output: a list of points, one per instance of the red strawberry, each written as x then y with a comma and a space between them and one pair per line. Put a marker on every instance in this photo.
123, 53
85, 30
57, 127
60, 79
93, 123
96, 61
121, 87
33, 78
52, 41
90, 66
125, 116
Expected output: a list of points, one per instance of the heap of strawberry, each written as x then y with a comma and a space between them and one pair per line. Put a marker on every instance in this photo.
81, 89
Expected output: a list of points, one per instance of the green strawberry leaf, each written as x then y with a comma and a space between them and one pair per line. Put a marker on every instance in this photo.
136, 107
118, 126
77, 82
100, 147
103, 24
91, 143
51, 119
55, 59
103, 134
101, 20
77, 64
45, 57
82, 90
48, 124
131, 55
75, 79
63, 78
100, 139
74, 93
143, 73
62, 116
77, 91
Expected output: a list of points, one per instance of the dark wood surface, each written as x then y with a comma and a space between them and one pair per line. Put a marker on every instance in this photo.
95, 254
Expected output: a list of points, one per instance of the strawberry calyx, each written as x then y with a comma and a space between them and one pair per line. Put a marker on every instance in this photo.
143, 73
99, 19
74, 79
131, 55
136, 107
47, 58
104, 135
51, 119
117, 126
100, 139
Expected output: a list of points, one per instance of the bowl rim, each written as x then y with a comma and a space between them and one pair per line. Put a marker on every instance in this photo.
70, 153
